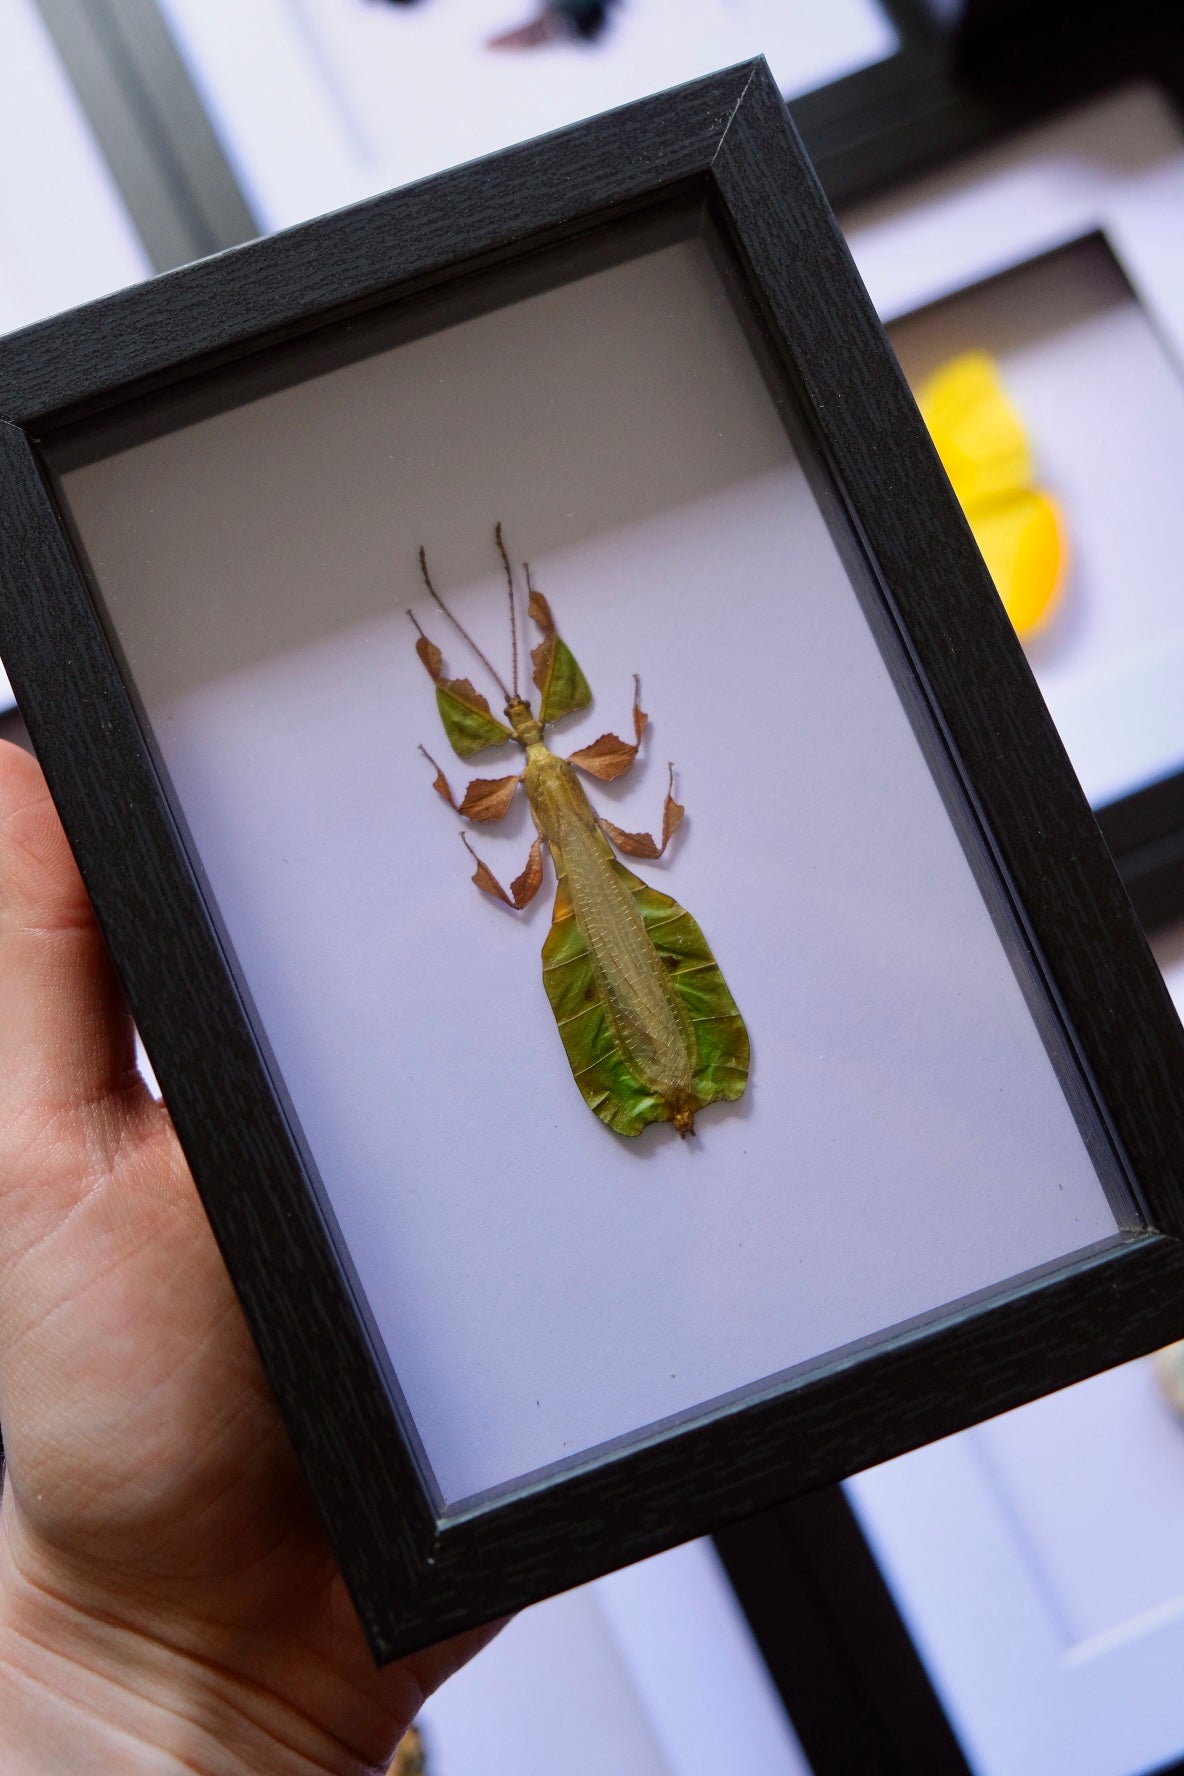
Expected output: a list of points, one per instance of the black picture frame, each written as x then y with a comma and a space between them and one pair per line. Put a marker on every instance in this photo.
955, 86
874, 129
723, 153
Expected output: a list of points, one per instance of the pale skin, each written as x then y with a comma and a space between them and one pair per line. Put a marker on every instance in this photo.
168, 1603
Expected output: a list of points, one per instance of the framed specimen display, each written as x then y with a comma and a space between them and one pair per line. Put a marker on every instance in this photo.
1056, 257
618, 399
322, 102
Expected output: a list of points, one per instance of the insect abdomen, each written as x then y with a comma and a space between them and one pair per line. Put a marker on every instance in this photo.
654, 1034
651, 1031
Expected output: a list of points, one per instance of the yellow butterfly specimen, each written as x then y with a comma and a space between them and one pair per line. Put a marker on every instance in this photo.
985, 450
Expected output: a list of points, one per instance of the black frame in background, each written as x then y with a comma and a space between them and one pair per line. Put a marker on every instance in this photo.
837, 1649
951, 89
1145, 833
844, 1664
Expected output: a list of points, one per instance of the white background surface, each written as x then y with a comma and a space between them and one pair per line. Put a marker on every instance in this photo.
64, 233
321, 102
1100, 384
542, 1284
649, 1672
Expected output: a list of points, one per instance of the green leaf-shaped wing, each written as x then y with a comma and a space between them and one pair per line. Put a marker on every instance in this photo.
562, 686
608, 1084
468, 721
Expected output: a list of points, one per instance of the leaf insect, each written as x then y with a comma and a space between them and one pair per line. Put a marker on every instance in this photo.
651, 1031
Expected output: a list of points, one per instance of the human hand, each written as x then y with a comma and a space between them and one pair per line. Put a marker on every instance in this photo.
168, 1602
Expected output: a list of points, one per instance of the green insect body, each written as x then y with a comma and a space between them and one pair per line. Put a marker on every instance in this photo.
650, 1029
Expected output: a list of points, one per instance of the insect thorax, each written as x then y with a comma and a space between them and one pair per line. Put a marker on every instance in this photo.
524, 722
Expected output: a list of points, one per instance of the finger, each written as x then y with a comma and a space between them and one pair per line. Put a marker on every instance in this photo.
66, 1034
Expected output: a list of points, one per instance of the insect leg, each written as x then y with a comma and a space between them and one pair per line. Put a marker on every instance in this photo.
522, 889
610, 757
441, 784
486, 798
641, 844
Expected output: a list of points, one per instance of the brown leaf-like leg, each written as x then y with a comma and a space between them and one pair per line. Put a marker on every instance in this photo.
522, 889
640, 718
489, 798
641, 844
610, 757
441, 784
485, 799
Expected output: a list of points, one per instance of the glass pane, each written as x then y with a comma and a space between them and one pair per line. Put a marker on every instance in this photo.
543, 1284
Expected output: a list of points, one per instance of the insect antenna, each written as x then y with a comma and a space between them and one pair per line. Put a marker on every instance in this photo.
427, 580
501, 549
